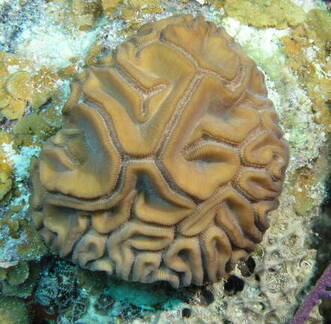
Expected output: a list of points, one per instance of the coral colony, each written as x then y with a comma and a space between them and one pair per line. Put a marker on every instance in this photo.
168, 162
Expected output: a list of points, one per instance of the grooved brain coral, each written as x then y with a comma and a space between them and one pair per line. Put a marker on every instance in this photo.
168, 162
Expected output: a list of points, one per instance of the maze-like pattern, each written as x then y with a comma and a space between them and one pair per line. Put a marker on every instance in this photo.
168, 161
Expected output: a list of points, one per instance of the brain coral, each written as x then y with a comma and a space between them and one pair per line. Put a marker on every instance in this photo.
168, 162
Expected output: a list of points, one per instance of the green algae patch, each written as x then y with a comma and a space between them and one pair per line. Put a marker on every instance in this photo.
18, 274
305, 185
32, 247
265, 13
77, 15
5, 168
13, 311
131, 11
319, 21
20, 89
148, 6
307, 49
37, 127
19, 240
5, 180
109, 6
19, 280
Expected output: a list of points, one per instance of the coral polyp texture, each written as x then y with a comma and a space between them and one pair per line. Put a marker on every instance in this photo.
168, 162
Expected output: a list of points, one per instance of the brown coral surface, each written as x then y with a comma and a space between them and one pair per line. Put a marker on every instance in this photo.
168, 162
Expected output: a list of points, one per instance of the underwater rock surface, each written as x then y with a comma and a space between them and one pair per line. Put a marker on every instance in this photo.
54, 41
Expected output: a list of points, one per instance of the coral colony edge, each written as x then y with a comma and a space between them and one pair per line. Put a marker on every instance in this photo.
168, 162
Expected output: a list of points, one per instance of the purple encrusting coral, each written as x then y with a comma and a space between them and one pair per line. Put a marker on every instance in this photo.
318, 292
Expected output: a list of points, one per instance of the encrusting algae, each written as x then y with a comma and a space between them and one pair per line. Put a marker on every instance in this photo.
308, 48
261, 13
13, 311
20, 89
5, 168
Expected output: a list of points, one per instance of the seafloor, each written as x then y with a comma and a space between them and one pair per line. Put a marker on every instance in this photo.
44, 44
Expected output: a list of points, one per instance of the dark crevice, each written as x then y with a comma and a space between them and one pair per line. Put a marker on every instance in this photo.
234, 285
186, 312
208, 296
